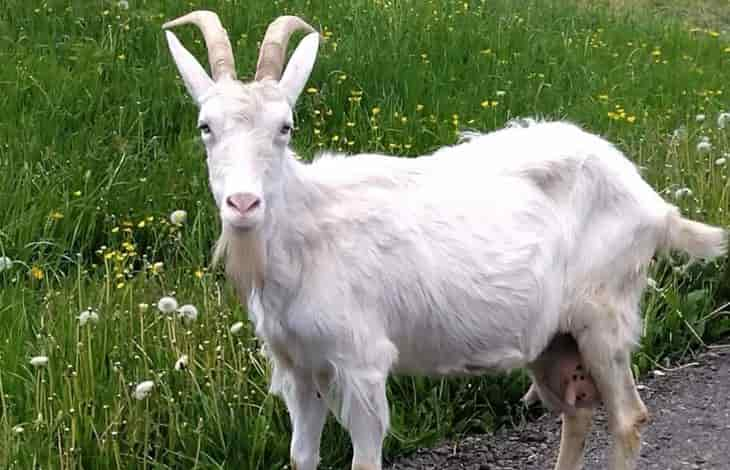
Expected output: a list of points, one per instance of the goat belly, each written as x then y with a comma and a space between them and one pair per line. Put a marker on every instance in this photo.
475, 291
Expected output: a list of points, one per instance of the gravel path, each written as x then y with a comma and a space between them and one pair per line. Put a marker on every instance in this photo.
689, 429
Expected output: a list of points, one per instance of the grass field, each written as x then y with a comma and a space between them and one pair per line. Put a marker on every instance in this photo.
98, 147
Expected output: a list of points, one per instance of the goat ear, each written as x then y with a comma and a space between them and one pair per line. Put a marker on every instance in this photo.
300, 65
193, 74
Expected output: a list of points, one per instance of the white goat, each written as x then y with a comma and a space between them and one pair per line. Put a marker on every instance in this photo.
463, 262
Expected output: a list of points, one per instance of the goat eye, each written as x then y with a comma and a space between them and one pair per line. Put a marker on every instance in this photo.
204, 128
285, 129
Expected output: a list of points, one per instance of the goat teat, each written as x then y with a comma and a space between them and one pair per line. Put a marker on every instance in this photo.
561, 381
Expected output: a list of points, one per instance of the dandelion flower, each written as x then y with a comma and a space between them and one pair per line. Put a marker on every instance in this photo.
178, 217
37, 273
5, 263
182, 363
188, 313
704, 146
237, 327
721, 161
167, 304
39, 361
723, 120
157, 267
88, 315
143, 389
682, 193
679, 134
700, 118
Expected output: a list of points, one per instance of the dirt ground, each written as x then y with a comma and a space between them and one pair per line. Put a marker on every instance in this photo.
689, 429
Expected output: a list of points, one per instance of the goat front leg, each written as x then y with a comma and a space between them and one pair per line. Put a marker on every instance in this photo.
365, 415
308, 413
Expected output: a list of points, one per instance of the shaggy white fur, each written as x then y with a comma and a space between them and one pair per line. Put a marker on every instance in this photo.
466, 261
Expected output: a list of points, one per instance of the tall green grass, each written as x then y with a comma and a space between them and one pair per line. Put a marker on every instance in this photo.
98, 146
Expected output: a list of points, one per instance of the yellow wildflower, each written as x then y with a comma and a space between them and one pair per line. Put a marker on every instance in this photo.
37, 272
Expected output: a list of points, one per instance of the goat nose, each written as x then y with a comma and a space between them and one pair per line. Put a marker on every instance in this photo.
243, 203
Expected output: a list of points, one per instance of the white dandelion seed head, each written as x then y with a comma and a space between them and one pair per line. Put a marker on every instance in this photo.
83, 317
704, 146
167, 305
18, 429
88, 315
143, 307
682, 193
178, 217
700, 118
237, 327
182, 362
123, 4
678, 135
39, 361
723, 119
188, 313
721, 161
143, 389
5, 263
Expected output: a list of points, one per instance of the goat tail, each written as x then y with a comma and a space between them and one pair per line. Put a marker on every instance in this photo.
694, 238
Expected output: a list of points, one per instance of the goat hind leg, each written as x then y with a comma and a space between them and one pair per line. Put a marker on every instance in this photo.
573, 439
607, 356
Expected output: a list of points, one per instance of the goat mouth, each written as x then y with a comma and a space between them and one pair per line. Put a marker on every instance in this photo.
240, 225
242, 228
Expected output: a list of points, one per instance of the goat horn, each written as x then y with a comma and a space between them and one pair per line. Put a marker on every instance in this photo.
273, 47
220, 53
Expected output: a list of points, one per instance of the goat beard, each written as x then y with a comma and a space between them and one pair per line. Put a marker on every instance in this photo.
244, 256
